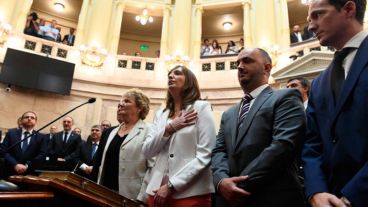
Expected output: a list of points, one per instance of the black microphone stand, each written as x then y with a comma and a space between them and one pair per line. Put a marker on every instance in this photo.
3, 151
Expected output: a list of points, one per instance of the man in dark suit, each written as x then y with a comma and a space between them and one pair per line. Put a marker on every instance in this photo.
69, 38
296, 35
29, 155
254, 161
63, 146
335, 152
87, 150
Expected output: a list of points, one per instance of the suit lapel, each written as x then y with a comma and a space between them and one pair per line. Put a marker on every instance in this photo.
134, 132
258, 102
356, 68
234, 114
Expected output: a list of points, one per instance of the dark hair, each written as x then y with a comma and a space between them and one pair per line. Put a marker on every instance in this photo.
265, 55
217, 44
190, 92
22, 117
360, 7
206, 40
303, 81
34, 15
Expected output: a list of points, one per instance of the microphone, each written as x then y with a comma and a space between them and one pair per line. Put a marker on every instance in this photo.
91, 100
76, 166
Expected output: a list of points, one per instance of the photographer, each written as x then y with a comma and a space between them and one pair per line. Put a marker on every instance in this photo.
32, 26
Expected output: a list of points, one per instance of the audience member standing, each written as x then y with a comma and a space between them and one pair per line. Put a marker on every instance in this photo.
28, 155
87, 150
70, 37
32, 26
254, 161
216, 48
335, 152
63, 146
296, 36
303, 85
182, 138
241, 41
231, 48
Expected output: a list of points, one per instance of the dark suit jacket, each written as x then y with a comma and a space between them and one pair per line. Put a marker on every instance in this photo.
84, 152
97, 159
33, 156
68, 152
335, 152
265, 149
66, 37
293, 38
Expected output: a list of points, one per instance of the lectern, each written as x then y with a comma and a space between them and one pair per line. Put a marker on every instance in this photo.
64, 189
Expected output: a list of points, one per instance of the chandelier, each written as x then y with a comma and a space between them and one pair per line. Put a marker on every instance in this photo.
144, 18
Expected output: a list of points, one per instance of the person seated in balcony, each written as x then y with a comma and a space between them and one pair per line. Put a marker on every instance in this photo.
42, 23
231, 48
241, 41
206, 48
137, 54
69, 38
32, 26
50, 31
296, 35
217, 50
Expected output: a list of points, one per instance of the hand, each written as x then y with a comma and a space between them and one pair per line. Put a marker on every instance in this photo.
184, 119
60, 159
229, 190
326, 200
20, 168
88, 170
161, 196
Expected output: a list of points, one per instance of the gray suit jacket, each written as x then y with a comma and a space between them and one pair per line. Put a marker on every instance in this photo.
265, 148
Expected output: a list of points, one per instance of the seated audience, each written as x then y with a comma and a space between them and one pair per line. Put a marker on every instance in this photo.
28, 155
50, 31
217, 50
119, 162
58, 37
241, 41
231, 48
32, 26
42, 23
137, 54
206, 48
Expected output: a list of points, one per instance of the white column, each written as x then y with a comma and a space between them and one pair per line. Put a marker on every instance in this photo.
282, 24
180, 39
115, 26
197, 35
20, 13
165, 31
80, 32
247, 23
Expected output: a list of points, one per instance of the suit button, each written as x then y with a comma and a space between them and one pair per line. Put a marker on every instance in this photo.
334, 141
171, 155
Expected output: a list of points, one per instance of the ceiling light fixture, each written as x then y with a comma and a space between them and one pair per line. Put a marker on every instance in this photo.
59, 7
144, 18
306, 2
227, 25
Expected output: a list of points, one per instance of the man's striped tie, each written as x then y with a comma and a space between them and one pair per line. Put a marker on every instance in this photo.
244, 109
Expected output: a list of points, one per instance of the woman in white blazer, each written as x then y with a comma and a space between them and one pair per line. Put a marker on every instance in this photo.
119, 160
182, 138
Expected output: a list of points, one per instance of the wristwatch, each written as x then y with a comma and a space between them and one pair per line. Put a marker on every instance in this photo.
170, 186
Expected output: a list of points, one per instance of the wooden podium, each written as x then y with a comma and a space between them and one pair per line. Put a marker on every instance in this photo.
53, 188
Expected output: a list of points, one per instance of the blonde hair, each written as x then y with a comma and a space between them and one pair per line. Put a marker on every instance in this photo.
141, 100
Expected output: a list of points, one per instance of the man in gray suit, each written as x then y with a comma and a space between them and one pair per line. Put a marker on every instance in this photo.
254, 161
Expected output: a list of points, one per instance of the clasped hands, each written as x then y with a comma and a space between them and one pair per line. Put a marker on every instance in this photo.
328, 200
